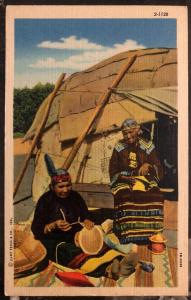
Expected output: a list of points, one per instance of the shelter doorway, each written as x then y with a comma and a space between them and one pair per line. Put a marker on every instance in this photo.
166, 141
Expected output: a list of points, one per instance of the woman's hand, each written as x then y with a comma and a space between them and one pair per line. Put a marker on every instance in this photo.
62, 225
88, 224
59, 224
145, 169
128, 179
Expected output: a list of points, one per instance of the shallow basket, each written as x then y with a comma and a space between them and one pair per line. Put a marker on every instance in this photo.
90, 241
28, 252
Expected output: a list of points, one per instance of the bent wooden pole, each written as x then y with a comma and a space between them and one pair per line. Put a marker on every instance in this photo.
103, 101
39, 131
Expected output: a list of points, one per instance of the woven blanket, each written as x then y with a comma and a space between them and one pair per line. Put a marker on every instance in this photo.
164, 274
138, 214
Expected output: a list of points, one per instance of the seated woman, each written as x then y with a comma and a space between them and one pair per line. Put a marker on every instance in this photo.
135, 171
56, 210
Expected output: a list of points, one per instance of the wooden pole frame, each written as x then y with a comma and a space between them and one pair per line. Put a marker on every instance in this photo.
38, 132
103, 100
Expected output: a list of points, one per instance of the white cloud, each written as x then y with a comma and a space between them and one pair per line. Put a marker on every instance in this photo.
86, 59
47, 63
71, 43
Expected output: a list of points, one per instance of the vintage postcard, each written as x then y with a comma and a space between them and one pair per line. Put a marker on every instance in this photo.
96, 150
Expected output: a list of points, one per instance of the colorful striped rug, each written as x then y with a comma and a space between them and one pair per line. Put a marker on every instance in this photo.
164, 274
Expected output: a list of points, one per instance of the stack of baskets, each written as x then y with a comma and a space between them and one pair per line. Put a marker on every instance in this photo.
28, 252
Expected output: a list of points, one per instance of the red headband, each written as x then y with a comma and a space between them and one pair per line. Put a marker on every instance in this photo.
60, 178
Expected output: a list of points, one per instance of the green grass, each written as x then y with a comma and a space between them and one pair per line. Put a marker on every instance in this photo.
18, 135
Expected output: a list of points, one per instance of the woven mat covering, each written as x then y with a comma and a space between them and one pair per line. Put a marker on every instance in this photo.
164, 274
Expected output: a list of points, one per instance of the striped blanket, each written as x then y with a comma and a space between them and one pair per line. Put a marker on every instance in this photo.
138, 212
164, 274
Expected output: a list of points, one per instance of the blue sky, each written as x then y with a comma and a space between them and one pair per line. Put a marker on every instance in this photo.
44, 48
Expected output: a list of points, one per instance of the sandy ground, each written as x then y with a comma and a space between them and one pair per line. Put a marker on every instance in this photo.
20, 147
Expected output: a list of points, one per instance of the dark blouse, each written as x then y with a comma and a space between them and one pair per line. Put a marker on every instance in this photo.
48, 210
128, 159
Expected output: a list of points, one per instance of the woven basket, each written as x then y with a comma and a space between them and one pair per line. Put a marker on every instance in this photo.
90, 241
28, 252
